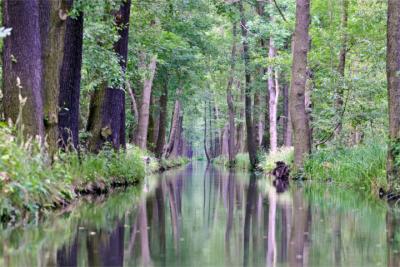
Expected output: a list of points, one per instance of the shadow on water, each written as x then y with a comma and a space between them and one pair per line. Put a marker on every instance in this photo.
206, 216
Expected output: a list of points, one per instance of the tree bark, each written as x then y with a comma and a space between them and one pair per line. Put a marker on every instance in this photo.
248, 105
342, 64
393, 79
287, 124
162, 125
300, 122
53, 21
22, 66
106, 121
205, 133
70, 79
174, 126
229, 100
273, 99
239, 127
141, 138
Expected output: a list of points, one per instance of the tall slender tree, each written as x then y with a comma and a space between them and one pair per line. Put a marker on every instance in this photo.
300, 121
273, 90
143, 123
342, 64
393, 79
229, 99
162, 125
251, 146
22, 66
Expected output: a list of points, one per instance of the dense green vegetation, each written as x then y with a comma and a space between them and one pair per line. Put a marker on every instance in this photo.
241, 83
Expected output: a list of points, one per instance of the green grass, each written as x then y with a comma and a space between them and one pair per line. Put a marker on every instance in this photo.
361, 167
28, 184
284, 154
242, 161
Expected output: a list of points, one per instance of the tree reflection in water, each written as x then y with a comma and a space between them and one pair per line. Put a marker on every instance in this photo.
207, 216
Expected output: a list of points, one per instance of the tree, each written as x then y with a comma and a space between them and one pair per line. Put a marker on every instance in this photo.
273, 90
393, 68
300, 122
162, 125
141, 136
22, 66
106, 122
342, 64
70, 83
229, 100
251, 146
53, 21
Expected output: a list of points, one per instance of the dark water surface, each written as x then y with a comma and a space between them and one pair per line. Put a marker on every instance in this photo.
207, 216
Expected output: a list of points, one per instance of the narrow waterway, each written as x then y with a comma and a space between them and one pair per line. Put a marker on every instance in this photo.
208, 216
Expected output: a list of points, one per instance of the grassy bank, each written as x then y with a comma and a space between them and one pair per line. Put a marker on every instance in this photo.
28, 184
267, 160
361, 167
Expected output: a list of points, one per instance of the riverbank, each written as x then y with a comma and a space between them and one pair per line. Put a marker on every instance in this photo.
360, 168
29, 185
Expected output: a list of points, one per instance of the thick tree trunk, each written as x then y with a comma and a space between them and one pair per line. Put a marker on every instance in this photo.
152, 126
177, 148
229, 100
141, 137
70, 80
342, 64
53, 21
248, 105
273, 99
106, 121
300, 122
22, 66
162, 125
393, 68
174, 127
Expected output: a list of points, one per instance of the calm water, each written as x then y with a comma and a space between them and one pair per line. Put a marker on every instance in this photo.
206, 216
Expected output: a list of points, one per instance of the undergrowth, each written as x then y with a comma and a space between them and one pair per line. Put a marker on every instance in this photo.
360, 167
28, 184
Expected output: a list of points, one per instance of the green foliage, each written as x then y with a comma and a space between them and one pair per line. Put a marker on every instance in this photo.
361, 167
284, 154
29, 184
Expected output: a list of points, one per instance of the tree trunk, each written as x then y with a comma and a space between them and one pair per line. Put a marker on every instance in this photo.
162, 125
239, 128
152, 126
141, 137
301, 129
393, 67
106, 121
70, 80
248, 105
287, 124
342, 65
229, 100
257, 120
273, 99
22, 66
174, 127
53, 21
205, 133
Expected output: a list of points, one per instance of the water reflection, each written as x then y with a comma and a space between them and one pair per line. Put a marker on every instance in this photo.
206, 216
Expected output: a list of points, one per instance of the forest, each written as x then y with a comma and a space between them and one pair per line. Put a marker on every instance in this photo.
98, 96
